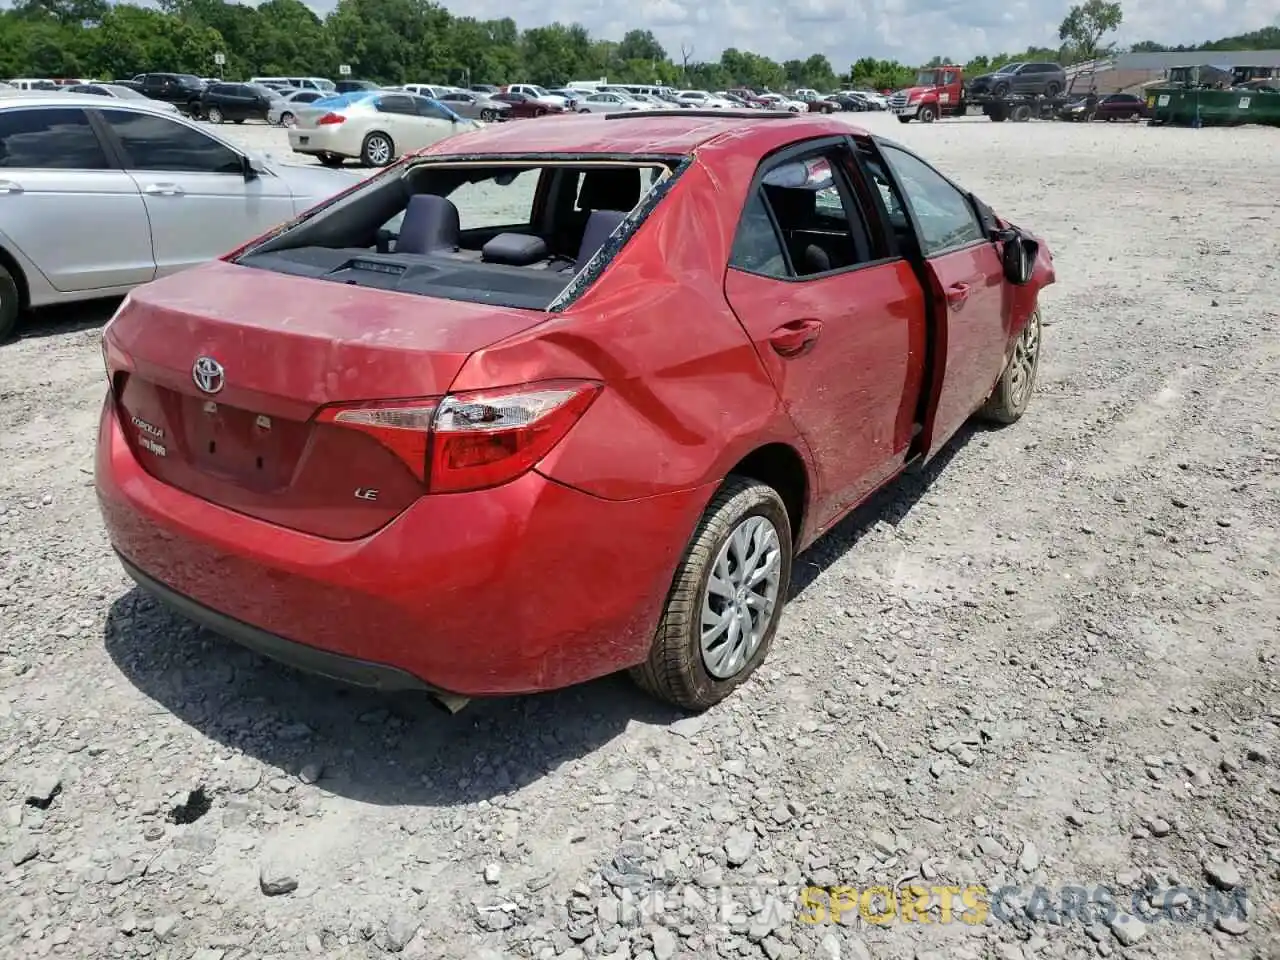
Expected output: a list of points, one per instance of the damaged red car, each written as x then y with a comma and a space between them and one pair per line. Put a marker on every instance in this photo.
541, 404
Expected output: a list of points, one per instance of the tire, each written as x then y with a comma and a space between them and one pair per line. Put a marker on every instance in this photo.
540, 112
677, 669
1051, 90
584, 111
331, 160
1008, 401
1001, 90
240, 120
215, 115
926, 114
10, 304
904, 119
287, 119
1021, 113
378, 149
488, 116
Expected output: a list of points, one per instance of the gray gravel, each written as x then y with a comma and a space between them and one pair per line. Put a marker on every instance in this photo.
1049, 661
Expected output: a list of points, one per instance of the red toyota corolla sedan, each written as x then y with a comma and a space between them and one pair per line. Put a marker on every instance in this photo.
544, 403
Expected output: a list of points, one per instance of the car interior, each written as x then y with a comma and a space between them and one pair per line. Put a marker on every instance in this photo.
408, 234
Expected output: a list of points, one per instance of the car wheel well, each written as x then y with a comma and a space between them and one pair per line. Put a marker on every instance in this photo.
19, 278
782, 468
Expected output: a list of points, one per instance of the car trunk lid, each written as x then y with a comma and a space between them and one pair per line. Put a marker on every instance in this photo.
219, 372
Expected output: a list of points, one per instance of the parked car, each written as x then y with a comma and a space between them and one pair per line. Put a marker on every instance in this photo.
26, 83
702, 100
850, 102
354, 86
1113, 106
814, 101
319, 84
776, 101
476, 106
610, 103
466, 429
541, 94
523, 105
118, 92
571, 98
1046, 79
373, 129
181, 89
98, 195
284, 109
236, 102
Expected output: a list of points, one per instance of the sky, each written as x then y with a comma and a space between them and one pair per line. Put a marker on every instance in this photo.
910, 31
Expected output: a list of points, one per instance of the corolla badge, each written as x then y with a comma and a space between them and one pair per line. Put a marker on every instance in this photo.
208, 374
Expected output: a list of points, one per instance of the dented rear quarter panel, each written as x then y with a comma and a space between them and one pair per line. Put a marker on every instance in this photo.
686, 396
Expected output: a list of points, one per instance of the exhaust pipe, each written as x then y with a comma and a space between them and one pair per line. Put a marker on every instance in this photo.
451, 702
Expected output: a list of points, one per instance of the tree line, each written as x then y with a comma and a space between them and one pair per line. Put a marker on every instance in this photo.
401, 41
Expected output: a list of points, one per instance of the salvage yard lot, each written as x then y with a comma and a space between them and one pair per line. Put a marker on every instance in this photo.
1051, 660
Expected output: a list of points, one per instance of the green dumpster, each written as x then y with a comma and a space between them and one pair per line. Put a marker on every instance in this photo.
1183, 107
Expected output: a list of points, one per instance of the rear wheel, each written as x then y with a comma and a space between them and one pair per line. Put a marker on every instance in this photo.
584, 110
10, 301
377, 151
926, 114
1021, 113
288, 120
1013, 390
726, 598
488, 116
215, 115
1001, 90
1052, 90
904, 119
540, 112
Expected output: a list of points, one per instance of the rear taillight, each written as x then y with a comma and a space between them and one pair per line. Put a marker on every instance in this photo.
468, 441
329, 119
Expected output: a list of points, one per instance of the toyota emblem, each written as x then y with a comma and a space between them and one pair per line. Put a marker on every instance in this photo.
208, 374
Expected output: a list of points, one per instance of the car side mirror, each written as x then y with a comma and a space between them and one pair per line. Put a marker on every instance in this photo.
1019, 256
250, 167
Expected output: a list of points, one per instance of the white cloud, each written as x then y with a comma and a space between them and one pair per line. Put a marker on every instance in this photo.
845, 30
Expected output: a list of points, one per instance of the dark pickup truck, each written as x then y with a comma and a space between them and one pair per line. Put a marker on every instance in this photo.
1028, 79
181, 89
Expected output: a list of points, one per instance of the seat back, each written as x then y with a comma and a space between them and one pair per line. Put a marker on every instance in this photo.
600, 225
430, 225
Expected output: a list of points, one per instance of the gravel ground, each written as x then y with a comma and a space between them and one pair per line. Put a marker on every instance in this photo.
1050, 661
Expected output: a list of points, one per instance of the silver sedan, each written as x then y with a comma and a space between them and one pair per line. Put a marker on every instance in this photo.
475, 106
99, 195
118, 92
284, 108
609, 103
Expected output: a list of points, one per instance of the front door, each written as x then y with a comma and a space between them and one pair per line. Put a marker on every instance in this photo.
198, 200
58, 190
967, 281
838, 324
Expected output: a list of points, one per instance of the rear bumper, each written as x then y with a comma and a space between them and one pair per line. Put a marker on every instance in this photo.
526, 587
314, 141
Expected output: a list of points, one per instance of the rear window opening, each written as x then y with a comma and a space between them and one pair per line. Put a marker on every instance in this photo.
514, 233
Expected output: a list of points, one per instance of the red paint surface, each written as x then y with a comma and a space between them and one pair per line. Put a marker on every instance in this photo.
558, 575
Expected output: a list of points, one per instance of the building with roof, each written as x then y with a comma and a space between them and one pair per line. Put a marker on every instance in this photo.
1129, 72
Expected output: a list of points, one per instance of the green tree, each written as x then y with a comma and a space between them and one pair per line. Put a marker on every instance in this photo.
1086, 24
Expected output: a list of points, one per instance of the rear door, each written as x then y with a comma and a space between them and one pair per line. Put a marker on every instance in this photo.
966, 279
836, 315
199, 203
434, 124
66, 205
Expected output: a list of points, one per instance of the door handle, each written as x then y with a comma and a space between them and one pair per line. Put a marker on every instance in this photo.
957, 294
163, 190
795, 338
8, 186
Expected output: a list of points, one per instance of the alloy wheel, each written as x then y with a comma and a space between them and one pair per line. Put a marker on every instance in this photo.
740, 597
1022, 367
215, 115
378, 150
